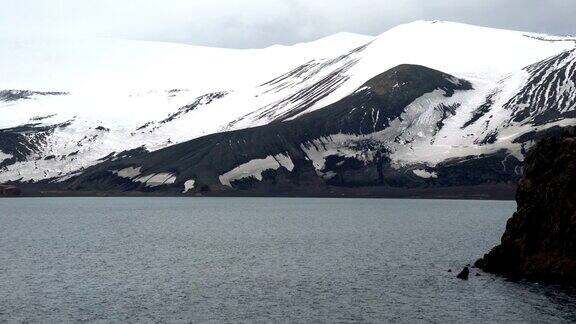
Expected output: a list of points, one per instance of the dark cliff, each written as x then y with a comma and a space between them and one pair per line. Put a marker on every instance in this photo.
540, 239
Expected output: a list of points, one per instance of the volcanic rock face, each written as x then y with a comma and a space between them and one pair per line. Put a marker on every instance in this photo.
540, 239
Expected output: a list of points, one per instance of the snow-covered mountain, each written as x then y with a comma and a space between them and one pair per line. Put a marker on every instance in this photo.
424, 104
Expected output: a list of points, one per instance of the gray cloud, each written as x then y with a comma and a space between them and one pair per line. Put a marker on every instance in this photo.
259, 23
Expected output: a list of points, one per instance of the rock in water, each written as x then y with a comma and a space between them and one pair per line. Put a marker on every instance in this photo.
540, 239
464, 274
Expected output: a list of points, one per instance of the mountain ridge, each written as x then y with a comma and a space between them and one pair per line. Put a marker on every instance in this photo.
481, 110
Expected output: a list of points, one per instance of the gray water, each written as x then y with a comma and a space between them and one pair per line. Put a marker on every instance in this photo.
259, 260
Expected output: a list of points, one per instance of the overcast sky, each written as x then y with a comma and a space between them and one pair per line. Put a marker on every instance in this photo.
260, 23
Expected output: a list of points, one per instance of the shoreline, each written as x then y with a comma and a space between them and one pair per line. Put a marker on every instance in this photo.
498, 192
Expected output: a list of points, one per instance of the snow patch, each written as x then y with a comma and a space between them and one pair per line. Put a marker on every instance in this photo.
254, 168
189, 184
362, 89
150, 180
285, 161
157, 179
338, 144
4, 156
425, 174
129, 172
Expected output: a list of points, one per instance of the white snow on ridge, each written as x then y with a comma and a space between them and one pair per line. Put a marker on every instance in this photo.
465, 51
127, 65
254, 168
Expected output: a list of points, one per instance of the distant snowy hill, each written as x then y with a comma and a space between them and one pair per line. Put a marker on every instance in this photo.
426, 104
87, 65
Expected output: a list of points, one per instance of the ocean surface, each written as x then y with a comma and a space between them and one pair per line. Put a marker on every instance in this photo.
260, 260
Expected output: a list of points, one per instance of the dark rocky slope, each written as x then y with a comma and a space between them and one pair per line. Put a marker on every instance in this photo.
540, 239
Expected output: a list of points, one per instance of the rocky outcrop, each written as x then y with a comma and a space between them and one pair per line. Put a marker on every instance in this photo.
540, 239
464, 274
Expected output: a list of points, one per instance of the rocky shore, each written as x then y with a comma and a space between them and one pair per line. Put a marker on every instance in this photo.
9, 191
540, 239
